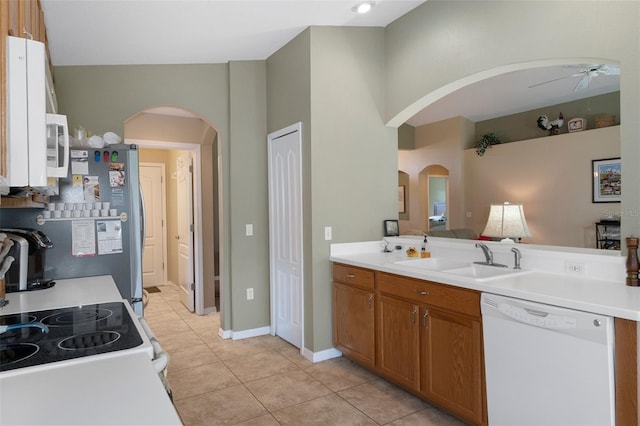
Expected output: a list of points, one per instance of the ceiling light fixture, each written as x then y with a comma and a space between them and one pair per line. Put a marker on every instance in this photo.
363, 7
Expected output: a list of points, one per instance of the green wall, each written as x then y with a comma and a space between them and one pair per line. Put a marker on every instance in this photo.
331, 79
249, 194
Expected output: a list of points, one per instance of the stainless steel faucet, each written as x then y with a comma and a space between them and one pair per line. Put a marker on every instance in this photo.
518, 256
488, 254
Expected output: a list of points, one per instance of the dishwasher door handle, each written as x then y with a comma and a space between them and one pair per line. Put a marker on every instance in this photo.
536, 313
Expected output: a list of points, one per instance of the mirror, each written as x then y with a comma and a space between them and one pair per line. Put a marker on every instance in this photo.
549, 174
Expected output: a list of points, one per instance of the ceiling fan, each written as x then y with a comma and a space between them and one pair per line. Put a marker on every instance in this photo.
587, 72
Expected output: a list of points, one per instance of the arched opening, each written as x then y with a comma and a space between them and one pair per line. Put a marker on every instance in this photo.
173, 135
434, 197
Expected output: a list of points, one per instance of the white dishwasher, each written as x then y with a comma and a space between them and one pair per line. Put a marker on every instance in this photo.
547, 365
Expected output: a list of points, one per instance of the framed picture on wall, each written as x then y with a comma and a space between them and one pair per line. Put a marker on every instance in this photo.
607, 182
391, 228
402, 206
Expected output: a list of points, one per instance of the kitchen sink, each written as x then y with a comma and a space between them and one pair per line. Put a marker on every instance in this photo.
484, 272
432, 263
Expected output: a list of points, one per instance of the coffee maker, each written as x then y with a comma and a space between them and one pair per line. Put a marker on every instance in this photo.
29, 249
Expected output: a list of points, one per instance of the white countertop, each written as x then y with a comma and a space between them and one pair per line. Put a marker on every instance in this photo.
114, 391
117, 388
70, 292
544, 279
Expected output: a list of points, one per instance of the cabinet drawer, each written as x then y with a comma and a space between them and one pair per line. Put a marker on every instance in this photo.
426, 292
353, 275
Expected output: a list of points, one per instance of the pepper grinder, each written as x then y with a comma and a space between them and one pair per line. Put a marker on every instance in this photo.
632, 261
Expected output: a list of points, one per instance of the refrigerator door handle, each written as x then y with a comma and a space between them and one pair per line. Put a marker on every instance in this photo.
143, 221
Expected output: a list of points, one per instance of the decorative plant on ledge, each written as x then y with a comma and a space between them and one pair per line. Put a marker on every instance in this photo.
485, 142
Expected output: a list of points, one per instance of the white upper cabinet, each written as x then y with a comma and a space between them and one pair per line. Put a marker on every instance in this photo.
26, 112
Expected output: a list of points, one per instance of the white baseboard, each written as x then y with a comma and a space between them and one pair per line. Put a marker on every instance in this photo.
243, 334
211, 310
322, 355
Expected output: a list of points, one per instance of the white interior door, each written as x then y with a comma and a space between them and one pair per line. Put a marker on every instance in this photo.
285, 233
153, 258
185, 231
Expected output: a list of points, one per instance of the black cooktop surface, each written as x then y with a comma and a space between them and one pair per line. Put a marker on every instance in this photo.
42, 337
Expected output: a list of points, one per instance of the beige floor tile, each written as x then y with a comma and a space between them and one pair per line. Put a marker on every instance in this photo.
202, 379
382, 401
182, 339
286, 389
223, 407
227, 349
208, 335
168, 328
193, 356
327, 410
430, 416
275, 342
264, 420
293, 354
340, 373
260, 365
203, 321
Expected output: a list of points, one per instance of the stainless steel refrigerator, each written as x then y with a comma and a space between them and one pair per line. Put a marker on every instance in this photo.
88, 239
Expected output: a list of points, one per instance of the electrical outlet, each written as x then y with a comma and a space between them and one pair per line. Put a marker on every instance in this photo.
574, 267
250, 294
327, 233
249, 230
468, 214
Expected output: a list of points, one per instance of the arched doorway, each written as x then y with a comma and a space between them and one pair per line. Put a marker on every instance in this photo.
178, 133
434, 197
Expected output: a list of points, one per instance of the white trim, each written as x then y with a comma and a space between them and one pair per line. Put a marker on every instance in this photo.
322, 355
195, 150
210, 310
243, 334
297, 127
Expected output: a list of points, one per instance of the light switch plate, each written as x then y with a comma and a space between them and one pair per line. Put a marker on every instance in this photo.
327, 233
249, 229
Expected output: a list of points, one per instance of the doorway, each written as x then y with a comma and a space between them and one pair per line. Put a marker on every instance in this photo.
434, 197
173, 130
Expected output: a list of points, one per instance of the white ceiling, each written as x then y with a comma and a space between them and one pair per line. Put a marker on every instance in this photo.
125, 32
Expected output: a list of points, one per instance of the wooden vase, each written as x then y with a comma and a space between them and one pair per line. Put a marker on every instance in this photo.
632, 261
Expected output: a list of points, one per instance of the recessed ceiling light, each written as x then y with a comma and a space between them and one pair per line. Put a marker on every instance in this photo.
363, 7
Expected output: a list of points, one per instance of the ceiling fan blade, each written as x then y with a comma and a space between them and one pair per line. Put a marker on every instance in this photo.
583, 83
555, 79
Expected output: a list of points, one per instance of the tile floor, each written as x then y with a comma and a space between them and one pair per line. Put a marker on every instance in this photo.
265, 381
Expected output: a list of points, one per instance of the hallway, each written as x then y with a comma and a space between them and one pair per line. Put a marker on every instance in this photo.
265, 381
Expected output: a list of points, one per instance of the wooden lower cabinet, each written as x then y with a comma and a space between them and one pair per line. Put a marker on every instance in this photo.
421, 335
354, 323
398, 341
451, 362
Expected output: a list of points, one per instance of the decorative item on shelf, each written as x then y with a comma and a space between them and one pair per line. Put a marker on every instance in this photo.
577, 125
605, 120
486, 142
552, 126
506, 221
632, 261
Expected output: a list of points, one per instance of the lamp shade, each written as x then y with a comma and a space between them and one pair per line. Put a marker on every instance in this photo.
506, 220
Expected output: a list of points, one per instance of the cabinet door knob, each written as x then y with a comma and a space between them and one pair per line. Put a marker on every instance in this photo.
413, 314
370, 301
424, 318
